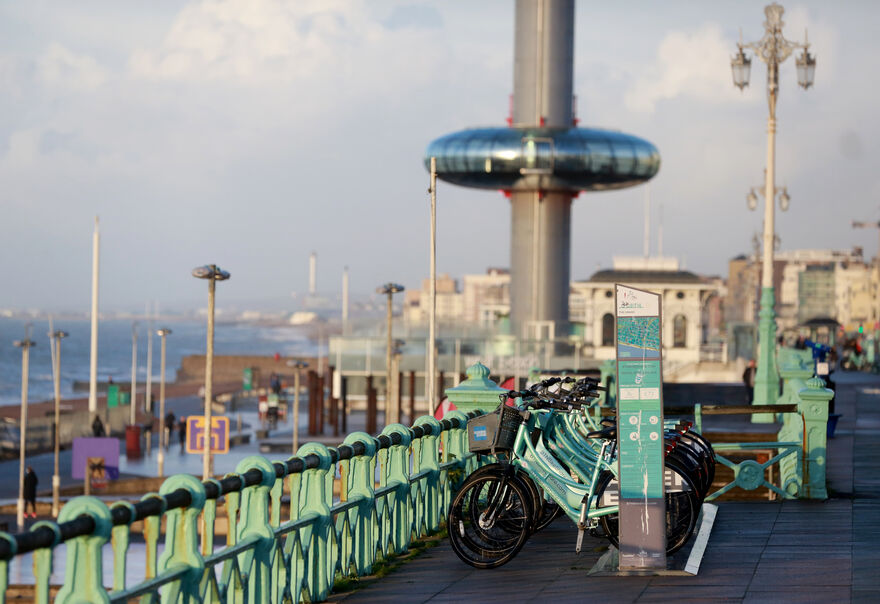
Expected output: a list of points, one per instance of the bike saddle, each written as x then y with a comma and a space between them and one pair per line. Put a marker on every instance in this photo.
609, 433
608, 422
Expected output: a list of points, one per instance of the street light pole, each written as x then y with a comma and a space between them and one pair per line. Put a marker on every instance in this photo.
213, 274
25, 346
773, 49
56, 371
163, 437
299, 366
389, 289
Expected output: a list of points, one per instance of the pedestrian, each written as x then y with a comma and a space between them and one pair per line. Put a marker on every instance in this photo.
30, 492
275, 384
98, 427
181, 432
169, 428
749, 381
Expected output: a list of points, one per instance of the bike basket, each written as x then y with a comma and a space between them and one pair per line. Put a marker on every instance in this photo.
493, 432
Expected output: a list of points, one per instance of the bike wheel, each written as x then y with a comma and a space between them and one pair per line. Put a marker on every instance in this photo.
490, 519
682, 507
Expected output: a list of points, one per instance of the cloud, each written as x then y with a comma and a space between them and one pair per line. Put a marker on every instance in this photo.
694, 65
63, 68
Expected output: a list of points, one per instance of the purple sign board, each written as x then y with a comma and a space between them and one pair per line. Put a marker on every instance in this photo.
86, 449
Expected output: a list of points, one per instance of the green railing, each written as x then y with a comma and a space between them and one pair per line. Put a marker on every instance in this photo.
265, 559
801, 445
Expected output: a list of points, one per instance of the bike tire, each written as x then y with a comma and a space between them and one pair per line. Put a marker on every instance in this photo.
490, 541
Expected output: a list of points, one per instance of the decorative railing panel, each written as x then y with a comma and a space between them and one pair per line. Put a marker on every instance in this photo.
340, 522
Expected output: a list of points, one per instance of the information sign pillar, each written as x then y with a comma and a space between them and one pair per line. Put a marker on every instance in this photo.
640, 429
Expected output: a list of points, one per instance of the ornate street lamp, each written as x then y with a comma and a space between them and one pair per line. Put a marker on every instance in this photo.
773, 49
56, 337
212, 273
389, 289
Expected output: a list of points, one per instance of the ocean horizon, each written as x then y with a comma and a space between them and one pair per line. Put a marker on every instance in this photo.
188, 337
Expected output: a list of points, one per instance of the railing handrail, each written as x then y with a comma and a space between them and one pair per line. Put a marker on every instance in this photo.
51, 534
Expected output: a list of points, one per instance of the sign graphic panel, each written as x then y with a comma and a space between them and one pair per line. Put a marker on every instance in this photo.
640, 428
195, 434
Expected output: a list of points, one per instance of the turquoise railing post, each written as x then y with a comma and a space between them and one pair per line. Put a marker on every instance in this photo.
209, 516
477, 392
4, 564
426, 459
43, 562
358, 485
182, 540
84, 570
315, 499
795, 367
152, 525
119, 537
394, 474
455, 449
814, 408
256, 563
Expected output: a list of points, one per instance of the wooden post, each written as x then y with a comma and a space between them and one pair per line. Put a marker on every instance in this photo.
412, 397
371, 406
438, 396
311, 387
344, 395
399, 391
320, 401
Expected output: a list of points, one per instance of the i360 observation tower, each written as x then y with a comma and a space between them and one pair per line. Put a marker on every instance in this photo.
541, 161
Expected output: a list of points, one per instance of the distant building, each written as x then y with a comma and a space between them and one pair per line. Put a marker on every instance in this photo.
840, 285
449, 301
690, 303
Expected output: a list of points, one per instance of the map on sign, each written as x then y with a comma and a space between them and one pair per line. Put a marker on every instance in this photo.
638, 337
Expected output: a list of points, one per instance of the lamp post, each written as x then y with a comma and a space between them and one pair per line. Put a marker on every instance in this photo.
56, 337
163, 437
389, 289
25, 346
212, 273
299, 366
773, 49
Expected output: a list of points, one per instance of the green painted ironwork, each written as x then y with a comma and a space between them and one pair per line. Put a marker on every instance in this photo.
801, 447
477, 393
327, 533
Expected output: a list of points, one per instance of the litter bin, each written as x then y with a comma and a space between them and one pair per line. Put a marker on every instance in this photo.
133, 441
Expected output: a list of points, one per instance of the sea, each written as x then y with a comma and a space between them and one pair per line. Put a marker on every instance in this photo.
188, 337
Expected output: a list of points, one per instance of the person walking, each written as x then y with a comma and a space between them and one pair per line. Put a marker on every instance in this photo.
30, 492
169, 428
749, 381
181, 432
98, 427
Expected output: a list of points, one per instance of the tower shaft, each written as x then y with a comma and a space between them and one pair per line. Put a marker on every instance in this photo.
540, 224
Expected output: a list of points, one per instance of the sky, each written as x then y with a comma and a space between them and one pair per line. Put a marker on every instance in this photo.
249, 133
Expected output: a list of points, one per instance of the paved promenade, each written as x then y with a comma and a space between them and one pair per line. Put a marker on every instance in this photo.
794, 551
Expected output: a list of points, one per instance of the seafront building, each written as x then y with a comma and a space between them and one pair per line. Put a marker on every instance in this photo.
812, 283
